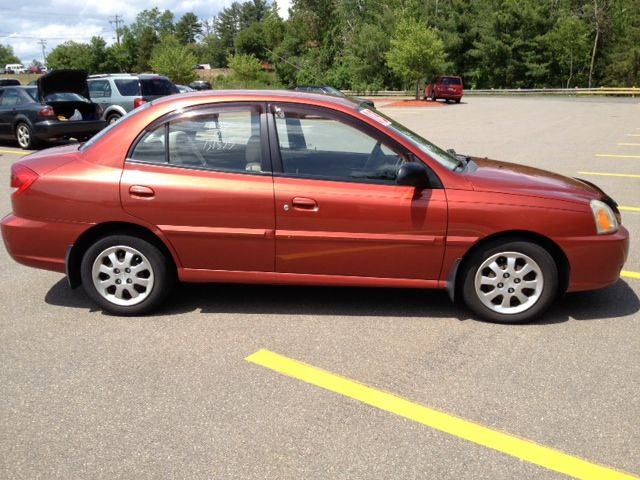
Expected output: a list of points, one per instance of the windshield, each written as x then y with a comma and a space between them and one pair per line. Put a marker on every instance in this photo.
104, 131
442, 157
334, 91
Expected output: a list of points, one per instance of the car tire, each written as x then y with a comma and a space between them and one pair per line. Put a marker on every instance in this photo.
512, 282
458, 100
24, 136
113, 118
126, 275
433, 95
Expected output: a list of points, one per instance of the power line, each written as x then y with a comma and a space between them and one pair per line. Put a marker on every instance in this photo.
43, 43
117, 19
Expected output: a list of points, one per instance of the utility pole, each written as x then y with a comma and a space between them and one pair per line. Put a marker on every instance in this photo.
43, 44
117, 20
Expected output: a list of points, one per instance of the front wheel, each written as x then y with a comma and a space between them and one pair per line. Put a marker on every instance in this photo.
24, 136
513, 282
126, 275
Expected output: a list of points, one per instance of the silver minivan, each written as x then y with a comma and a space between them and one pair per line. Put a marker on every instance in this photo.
119, 93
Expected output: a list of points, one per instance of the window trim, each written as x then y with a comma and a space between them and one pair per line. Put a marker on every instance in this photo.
378, 135
201, 110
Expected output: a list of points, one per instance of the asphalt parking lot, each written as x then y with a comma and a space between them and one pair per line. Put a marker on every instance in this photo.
87, 395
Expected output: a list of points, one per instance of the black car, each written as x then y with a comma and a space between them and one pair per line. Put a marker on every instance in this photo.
327, 90
56, 108
5, 82
200, 85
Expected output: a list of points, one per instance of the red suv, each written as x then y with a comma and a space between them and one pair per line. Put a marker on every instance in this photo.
444, 87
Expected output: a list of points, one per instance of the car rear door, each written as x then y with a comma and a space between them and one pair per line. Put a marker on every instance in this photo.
338, 208
204, 179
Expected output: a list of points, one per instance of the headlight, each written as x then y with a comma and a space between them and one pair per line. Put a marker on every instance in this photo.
604, 217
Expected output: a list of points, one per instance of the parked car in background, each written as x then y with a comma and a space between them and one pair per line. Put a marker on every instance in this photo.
5, 82
201, 85
327, 90
184, 88
445, 88
284, 187
119, 93
37, 69
14, 68
56, 108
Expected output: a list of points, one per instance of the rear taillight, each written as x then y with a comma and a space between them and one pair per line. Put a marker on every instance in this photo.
22, 178
47, 112
139, 101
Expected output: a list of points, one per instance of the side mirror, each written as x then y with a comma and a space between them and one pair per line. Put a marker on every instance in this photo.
413, 175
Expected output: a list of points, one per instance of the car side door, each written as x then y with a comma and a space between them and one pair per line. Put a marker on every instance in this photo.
339, 211
203, 178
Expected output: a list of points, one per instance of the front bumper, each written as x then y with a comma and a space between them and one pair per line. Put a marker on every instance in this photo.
596, 261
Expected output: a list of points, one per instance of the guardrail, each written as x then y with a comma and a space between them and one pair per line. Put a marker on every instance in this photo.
612, 91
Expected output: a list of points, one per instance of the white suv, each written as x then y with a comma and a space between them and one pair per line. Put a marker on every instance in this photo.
14, 68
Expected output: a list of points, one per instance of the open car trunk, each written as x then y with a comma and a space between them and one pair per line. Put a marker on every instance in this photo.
66, 110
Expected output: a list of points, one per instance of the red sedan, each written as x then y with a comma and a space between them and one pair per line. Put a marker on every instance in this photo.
288, 188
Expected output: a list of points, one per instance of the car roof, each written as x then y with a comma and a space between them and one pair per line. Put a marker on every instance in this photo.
125, 75
262, 96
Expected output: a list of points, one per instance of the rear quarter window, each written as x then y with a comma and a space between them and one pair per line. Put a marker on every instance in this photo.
128, 87
157, 86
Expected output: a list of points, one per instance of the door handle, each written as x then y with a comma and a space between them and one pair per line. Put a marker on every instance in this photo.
140, 191
303, 203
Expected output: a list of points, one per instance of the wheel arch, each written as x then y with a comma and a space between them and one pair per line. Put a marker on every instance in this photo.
21, 118
76, 251
454, 279
114, 109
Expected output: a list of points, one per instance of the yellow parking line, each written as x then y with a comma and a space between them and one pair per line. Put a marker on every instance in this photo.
629, 144
627, 274
610, 155
633, 134
473, 432
16, 152
605, 174
628, 209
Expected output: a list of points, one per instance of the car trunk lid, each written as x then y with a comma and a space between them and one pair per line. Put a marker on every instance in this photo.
63, 81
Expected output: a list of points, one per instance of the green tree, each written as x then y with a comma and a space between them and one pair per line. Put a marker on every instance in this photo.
7, 55
245, 67
416, 52
251, 41
188, 28
212, 51
70, 55
569, 41
174, 60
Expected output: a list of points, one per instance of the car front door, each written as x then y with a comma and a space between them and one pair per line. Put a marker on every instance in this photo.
204, 180
338, 208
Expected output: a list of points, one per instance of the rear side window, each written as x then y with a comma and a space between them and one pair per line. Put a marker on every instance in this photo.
151, 147
99, 89
10, 98
157, 86
128, 87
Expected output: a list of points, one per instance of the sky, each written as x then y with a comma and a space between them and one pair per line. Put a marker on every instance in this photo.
57, 21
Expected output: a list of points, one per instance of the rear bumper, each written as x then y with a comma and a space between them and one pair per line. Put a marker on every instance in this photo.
60, 129
23, 240
595, 261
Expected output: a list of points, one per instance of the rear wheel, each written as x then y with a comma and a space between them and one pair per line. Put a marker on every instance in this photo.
512, 282
433, 95
113, 118
126, 275
457, 100
24, 136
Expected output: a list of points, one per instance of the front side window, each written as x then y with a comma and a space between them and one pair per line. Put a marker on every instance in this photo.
320, 146
225, 140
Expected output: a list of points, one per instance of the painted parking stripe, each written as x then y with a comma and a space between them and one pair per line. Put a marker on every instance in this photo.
629, 144
473, 432
628, 274
623, 208
606, 174
611, 155
15, 152
633, 134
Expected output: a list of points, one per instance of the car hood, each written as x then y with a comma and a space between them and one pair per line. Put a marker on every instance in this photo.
503, 177
63, 81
